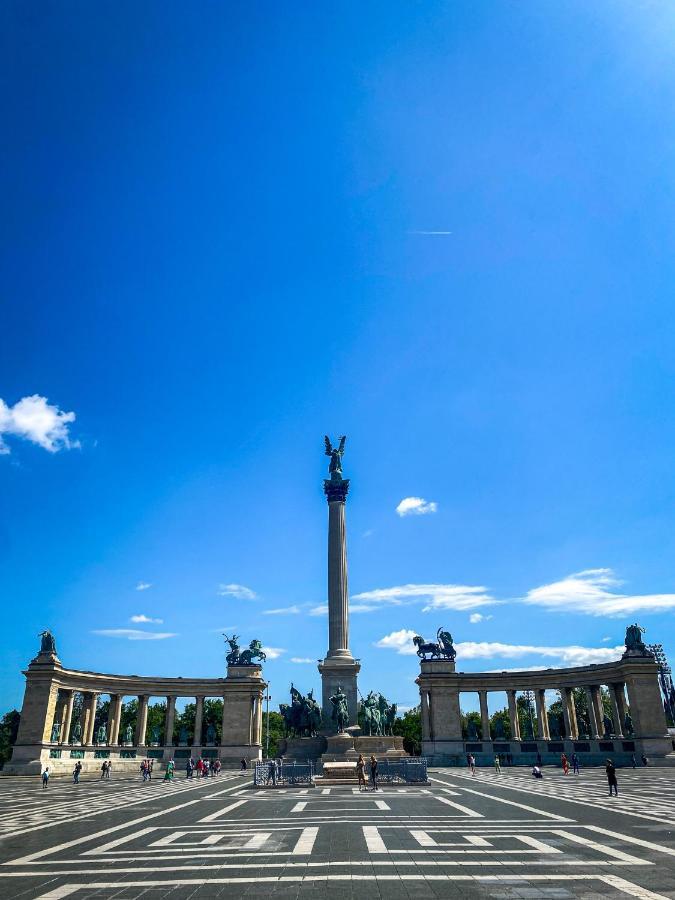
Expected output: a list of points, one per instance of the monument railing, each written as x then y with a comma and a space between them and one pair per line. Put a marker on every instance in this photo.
407, 770
288, 772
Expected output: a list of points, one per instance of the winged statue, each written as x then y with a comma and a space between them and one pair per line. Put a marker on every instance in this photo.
335, 464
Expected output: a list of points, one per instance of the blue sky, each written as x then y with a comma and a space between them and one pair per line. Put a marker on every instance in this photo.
445, 230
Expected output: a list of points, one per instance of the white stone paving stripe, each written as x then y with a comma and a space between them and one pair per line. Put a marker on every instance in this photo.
532, 809
602, 848
620, 884
649, 845
471, 813
374, 843
212, 817
305, 843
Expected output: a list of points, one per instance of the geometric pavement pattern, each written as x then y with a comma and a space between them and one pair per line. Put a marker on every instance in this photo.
505, 836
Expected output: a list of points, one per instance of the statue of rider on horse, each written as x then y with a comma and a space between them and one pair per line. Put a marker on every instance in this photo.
442, 649
376, 715
302, 716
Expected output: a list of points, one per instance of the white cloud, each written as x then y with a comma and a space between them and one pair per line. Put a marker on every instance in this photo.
273, 652
319, 610
143, 585
605, 639
475, 618
141, 617
361, 608
437, 596
416, 506
401, 641
240, 591
302, 659
35, 419
572, 655
591, 592
282, 611
134, 634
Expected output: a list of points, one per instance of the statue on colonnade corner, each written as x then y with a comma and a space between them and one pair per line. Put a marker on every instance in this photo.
128, 735
101, 735
47, 642
56, 732
340, 712
239, 657
441, 649
335, 464
634, 640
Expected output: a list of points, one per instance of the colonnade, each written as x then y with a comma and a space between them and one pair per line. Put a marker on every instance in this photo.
632, 683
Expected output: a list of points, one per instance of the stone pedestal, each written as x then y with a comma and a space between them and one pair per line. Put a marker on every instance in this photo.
340, 671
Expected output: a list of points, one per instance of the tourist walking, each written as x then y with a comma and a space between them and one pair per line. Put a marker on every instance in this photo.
373, 773
104, 769
45, 777
610, 769
575, 764
361, 772
189, 768
143, 771
565, 764
168, 775
217, 767
498, 765
151, 763
472, 764
243, 766
645, 761
76, 772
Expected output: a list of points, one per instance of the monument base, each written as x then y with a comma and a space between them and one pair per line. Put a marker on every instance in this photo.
339, 671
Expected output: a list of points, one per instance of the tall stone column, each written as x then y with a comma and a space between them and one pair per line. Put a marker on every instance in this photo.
142, 720
513, 716
569, 713
68, 717
596, 702
339, 668
426, 716
484, 715
542, 722
199, 714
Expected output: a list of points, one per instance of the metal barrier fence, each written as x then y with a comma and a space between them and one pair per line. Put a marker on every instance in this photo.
408, 770
287, 772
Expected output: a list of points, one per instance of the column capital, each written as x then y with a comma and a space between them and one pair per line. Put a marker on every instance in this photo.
336, 489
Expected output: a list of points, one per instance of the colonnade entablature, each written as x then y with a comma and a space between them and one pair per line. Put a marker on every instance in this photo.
608, 708
61, 720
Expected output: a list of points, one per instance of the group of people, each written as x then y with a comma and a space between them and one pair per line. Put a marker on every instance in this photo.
361, 773
106, 766
203, 767
146, 769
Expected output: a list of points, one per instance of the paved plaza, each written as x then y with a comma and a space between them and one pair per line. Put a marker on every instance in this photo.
486, 836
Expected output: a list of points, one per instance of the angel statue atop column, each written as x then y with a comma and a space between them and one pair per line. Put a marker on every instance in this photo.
335, 464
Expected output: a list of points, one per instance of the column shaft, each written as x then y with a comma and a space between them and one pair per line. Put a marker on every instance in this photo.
338, 591
92, 703
169, 721
574, 728
592, 715
484, 715
114, 727
618, 720
513, 716
542, 720
68, 718
225, 719
598, 709
424, 712
142, 721
199, 714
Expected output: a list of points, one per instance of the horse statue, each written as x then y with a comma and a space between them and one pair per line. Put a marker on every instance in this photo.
255, 651
313, 712
372, 719
391, 717
424, 647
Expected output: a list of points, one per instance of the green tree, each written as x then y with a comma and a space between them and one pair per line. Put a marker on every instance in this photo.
9, 727
409, 726
500, 715
467, 719
276, 726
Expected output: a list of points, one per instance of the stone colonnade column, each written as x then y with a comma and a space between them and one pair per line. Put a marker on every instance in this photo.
592, 714
425, 713
68, 717
338, 592
646, 705
199, 714
116, 719
484, 715
513, 715
616, 696
169, 721
542, 720
142, 720
224, 723
89, 718
596, 703
569, 713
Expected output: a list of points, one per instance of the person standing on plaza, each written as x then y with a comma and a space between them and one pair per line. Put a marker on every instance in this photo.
565, 764
360, 772
243, 766
472, 764
610, 769
142, 770
498, 765
373, 772
217, 767
76, 772
104, 769
150, 765
45, 777
575, 764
